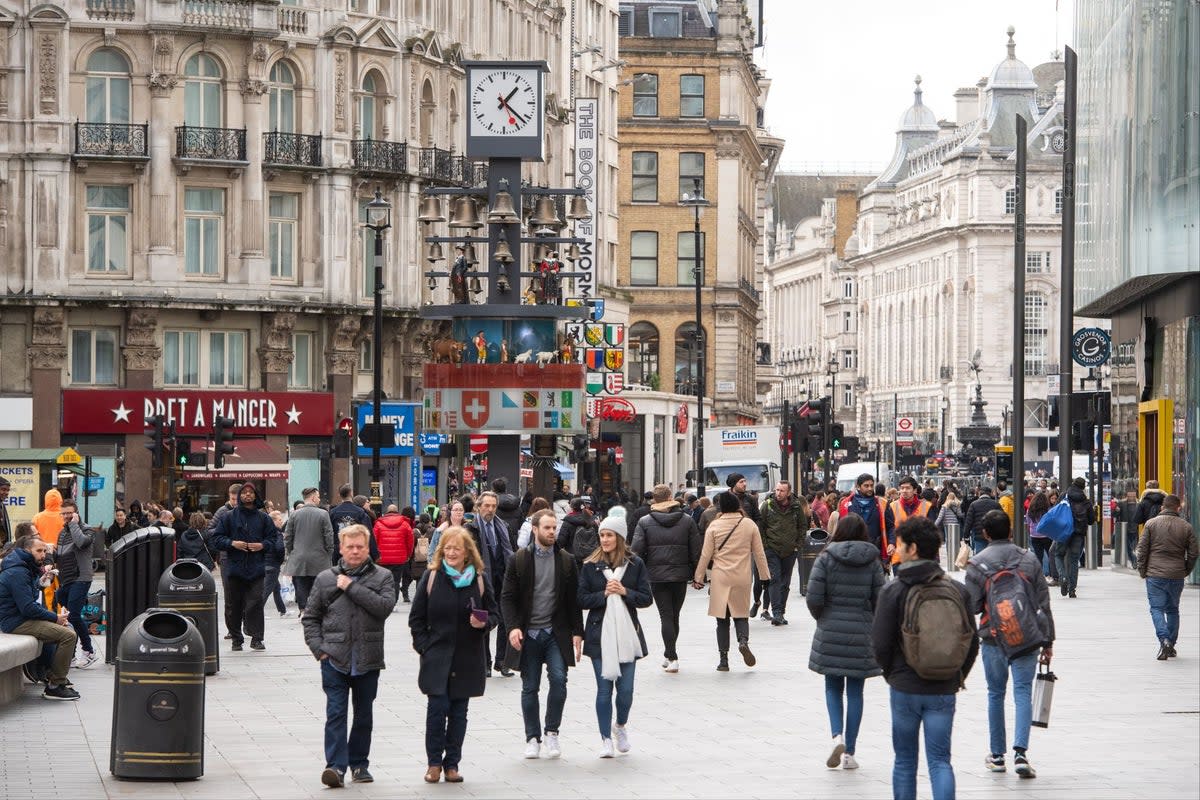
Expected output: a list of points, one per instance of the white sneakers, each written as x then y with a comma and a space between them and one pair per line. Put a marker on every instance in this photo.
848, 761
671, 666
533, 748
84, 660
606, 748
552, 748
622, 736
835, 758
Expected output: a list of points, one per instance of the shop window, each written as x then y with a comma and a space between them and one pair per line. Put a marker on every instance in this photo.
94, 356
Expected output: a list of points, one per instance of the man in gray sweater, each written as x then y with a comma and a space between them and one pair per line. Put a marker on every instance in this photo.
74, 561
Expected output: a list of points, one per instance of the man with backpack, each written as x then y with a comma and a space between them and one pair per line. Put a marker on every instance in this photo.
925, 641
1009, 592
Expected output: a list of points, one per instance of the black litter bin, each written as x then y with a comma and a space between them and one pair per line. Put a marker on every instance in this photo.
814, 542
134, 564
188, 587
158, 700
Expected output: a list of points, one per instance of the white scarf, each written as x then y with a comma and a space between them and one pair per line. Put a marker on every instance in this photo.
619, 642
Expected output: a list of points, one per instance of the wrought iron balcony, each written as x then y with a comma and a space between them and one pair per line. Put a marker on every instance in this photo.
436, 164
210, 144
749, 288
110, 9
373, 155
108, 140
291, 149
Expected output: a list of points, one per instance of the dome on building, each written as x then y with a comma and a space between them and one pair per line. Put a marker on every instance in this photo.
919, 117
1011, 73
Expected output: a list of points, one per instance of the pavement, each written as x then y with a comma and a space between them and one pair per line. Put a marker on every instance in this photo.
1123, 725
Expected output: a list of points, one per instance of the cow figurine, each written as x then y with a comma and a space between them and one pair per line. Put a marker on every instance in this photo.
446, 351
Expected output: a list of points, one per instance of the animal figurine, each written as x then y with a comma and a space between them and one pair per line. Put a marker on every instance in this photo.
446, 351
523, 358
546, 357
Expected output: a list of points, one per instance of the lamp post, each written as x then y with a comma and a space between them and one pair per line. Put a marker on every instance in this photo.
831, 369
945, 440
379, 219
697, 202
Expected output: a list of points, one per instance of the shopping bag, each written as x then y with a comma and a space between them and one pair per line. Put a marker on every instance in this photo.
1058, 523
1043, 695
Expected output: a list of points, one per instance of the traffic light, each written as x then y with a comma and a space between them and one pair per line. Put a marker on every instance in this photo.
222, 440
837, 436
817, 414
183, 452
154, 440
341, 443
579, 447
850, 445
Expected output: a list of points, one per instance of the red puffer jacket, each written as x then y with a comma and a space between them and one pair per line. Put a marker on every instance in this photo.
395, 536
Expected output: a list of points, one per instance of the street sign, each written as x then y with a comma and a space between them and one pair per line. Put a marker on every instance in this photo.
347, 425
468, 474
95, 484
401, 417
904, 430
1090, 347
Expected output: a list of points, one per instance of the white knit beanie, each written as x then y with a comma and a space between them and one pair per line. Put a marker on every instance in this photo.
616, 522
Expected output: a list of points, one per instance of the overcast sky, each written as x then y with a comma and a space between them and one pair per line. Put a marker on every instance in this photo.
842, 71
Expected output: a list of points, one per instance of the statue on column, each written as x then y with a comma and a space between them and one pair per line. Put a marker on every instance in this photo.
458, 275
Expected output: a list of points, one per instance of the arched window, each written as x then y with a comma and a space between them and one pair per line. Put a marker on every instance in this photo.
369, 118
428, 108
282, 99
107, 87
686, 358
643, 350
202, 92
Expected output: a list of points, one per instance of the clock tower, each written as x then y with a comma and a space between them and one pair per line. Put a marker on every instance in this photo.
505, 109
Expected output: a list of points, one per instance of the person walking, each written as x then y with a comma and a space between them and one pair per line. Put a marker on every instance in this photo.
842, 592
272, 563
455, 516
73, 559
580, 533
21, 613
343, 628
667, 540
1166, 555
453, 611
244, 534
909, 503
613, 585
950, 515
495, 547
192, 543
1041, 544
1066, 554
881, 524
920, 705
760, 591
308, 543
540, 602
1002, 555
973, 522
783, 523
731, 542
121, 525
525, 534
394, 533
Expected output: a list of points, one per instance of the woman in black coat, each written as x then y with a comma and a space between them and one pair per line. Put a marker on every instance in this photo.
615, 644
452, 613
842, 590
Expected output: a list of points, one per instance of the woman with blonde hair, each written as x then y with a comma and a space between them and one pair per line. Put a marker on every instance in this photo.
613, 585
452, 612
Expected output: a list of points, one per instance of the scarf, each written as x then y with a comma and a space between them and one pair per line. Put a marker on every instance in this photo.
461, 579
619, 643
911, 505
355, 572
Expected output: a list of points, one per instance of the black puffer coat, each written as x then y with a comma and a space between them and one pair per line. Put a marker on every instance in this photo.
842, 590
670, 543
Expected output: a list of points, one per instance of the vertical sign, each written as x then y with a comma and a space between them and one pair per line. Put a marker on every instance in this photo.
414, 483
586, 158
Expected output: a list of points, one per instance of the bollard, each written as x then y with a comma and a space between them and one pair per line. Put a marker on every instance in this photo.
188, 587
953, 541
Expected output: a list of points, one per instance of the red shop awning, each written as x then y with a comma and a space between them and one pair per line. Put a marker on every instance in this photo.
252, 459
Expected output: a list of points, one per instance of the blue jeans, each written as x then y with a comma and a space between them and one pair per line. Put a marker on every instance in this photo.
853, 688
535, 653
977, 544
445, 729
604, 696
781, 578
909, 713
996, 667
1163, 594
1066, 557
73, 597
341, 752
1042, 550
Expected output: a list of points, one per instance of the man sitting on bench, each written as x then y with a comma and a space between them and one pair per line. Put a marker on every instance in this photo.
20, 613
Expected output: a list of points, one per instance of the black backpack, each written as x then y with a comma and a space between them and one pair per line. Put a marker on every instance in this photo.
584, 541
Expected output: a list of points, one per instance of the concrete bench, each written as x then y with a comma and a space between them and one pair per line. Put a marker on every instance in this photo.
16, 650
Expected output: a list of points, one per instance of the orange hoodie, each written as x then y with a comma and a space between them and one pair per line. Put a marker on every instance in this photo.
49, 521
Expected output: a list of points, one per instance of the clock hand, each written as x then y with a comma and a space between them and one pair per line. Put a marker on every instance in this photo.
513, 114
504, 102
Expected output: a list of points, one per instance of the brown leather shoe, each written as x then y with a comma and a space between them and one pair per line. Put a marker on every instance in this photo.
433, 774
452, 776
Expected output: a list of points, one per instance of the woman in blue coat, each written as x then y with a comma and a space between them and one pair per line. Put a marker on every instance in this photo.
613, 585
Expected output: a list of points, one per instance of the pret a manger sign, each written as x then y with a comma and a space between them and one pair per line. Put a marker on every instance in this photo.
253, 413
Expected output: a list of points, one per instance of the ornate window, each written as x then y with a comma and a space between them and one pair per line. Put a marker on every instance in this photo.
1036, 333
203, 230
202, 92
94, 356
282, 99
107, 228
300, 370
107, 87
283, 213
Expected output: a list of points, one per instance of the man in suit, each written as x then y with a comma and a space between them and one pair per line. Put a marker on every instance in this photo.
540, 603
494, 541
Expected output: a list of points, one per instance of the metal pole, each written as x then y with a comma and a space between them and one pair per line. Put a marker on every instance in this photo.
700, 377
785, 437
895, 440
1017, 421
377, 378
1066, 316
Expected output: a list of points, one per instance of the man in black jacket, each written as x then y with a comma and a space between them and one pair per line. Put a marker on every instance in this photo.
540, 604
508, 508
974, 520
494, 540
668, 540
1066, 556
917, 702
245, 534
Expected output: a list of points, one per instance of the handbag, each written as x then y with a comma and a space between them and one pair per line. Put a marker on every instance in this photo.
722, 544
964, 554
1043, 695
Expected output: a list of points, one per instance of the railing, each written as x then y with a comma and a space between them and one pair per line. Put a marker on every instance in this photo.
373, 155
110, 9
687, 386
214, 144
110, 139
292, 149
236, 14
435, 163
293, 20
749, 288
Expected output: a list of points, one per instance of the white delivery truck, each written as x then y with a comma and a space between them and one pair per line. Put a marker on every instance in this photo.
848, 473
752, 451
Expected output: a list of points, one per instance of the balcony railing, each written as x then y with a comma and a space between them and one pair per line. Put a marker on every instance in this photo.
434, 163
110, 140
235, 14
373, 155
749, 288
291, 149
293, 20
210, 144
110, 9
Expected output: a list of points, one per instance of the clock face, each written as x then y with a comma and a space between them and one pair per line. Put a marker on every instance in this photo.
1058, 142
504, 102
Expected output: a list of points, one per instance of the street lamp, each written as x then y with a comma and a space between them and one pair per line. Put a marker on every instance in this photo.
831, 370
945, 438
697, 202
379, 219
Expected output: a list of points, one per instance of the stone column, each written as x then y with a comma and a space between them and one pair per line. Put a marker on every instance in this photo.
341, 357
162, 81
254, 86
275, 359
141, 356
47, 358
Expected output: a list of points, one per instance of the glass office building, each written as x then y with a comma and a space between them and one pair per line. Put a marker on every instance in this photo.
1138, 230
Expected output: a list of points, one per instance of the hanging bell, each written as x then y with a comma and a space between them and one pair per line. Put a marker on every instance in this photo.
465, 215
435, 253
432, 284
579, 208
469, 254
502, 252
539, 252
431, 210
502, 211
476, 286
573, 253
546, 215
502, 284
546, 231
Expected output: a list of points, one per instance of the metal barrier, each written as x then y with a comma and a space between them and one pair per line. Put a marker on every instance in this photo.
953, 542
1092, 548
1120, 557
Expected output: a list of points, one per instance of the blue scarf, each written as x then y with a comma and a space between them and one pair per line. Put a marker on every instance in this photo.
461, 579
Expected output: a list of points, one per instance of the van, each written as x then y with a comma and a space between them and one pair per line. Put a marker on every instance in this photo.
848, 473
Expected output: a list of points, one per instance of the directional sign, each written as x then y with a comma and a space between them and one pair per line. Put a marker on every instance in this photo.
904, 429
